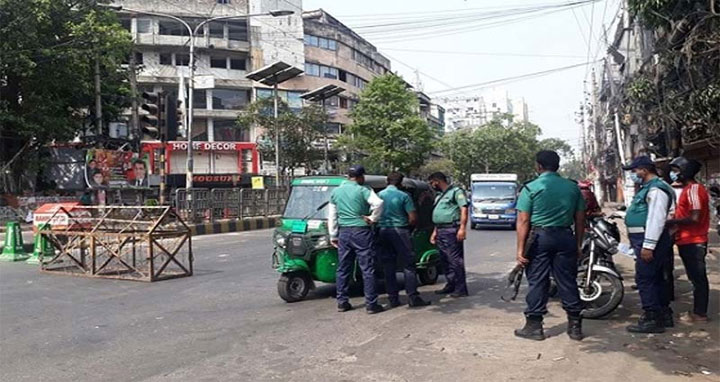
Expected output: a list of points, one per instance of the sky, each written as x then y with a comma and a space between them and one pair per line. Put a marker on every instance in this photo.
525, 46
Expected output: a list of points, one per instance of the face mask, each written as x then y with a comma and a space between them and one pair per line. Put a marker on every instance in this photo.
674, 176
636, 178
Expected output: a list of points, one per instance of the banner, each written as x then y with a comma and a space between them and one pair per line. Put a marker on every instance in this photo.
115, 169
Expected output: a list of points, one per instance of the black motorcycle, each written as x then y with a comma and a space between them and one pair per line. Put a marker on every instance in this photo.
599, 282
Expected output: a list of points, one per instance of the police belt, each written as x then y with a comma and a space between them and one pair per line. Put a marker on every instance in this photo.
549, 229
447, 225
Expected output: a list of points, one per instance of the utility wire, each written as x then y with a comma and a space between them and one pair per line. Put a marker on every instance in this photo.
492, 54
510, 79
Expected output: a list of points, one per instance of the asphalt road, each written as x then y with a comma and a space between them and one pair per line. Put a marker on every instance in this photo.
227, 323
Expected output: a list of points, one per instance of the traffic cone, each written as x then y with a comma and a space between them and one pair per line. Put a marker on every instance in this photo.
13, 248
41, 246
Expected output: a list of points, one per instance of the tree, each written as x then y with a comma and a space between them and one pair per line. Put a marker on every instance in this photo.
573, 168
47, 59
557, 145
387, 129
299, 132
492, 148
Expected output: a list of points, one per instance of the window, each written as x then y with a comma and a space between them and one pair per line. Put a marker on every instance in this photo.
312, 69
199, 99
343, 103
182, 59
144, 25
332, 101
320, 42
230, 99
328, 72
138, 58
237, 30
227, 130
332, 128
165, 59
218, 62
172, 28
125, 23
364, 60
237, 63
342, 75
223, 1
217, 30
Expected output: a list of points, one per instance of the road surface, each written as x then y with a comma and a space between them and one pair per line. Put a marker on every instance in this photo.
227, 323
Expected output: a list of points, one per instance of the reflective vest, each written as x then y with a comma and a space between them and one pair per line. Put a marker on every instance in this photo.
636, 214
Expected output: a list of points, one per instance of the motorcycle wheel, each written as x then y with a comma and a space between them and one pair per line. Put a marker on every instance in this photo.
429, 275
605, 295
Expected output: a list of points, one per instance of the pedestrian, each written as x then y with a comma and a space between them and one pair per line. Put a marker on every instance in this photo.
396, 225
548, 207
450, 215
692, 223
353, 208
650, 239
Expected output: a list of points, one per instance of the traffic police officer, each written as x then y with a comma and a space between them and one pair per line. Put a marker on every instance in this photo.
398, 218
649, 237
450, 218
547, 208
353, 208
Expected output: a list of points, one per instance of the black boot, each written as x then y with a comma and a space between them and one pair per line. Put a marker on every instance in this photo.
417, 302
344, 307
574, 329
394, 301
533, 329
649, 322
374, 309
668, 319
447, 289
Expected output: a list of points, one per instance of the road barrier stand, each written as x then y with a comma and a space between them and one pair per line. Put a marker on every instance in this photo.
13, 248
41, 246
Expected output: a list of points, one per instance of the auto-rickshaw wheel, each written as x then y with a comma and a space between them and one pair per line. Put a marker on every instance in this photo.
429, 275
293, 287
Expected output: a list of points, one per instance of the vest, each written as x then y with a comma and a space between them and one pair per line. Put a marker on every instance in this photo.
636, 214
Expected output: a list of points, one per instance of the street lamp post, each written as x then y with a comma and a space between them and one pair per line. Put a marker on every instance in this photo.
193, 33
272, 75
320, 95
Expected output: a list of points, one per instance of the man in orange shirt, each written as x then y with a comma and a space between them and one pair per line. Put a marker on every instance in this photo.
692, 220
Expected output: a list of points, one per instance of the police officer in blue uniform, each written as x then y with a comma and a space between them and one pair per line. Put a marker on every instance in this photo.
354, 208
547, 208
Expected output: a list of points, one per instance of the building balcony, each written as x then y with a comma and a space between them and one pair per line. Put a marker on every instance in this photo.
201, 42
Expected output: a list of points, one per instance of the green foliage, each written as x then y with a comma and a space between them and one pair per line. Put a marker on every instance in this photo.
573, 169
557, 145
497, 148
387, 130
47, 57
298, 132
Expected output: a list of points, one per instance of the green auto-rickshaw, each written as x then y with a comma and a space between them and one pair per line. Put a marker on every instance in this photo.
303, 253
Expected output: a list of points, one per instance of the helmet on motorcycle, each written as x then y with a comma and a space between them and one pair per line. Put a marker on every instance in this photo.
687, 168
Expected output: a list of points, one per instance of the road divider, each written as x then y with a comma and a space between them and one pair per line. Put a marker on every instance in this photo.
234, 225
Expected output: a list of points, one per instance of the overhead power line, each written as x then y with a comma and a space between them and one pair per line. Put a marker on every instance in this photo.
471, 53
507, 79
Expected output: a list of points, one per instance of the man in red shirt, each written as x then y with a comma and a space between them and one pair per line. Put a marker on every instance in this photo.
692, 220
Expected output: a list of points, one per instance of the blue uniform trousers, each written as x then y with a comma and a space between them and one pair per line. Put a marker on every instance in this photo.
552, 250
355, 242
396, 248
452, 259
651, 278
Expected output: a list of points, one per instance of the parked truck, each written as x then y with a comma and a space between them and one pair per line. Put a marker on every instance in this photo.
492, 200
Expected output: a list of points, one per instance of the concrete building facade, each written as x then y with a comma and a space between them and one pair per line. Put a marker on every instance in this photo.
475, 111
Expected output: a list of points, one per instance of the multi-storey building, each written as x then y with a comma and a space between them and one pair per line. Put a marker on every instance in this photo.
473, 112
224, 51
336, 55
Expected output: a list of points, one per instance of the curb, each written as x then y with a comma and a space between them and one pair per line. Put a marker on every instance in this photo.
233, 225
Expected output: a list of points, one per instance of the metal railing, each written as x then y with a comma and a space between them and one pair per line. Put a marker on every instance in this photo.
229, 203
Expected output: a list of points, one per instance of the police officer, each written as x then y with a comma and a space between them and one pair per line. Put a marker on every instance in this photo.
450, 216
353, 208
398, 218
649, 237
547, 209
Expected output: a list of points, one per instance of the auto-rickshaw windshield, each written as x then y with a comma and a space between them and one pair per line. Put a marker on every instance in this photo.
304, 201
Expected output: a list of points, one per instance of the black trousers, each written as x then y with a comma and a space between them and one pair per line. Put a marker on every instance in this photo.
693, 258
